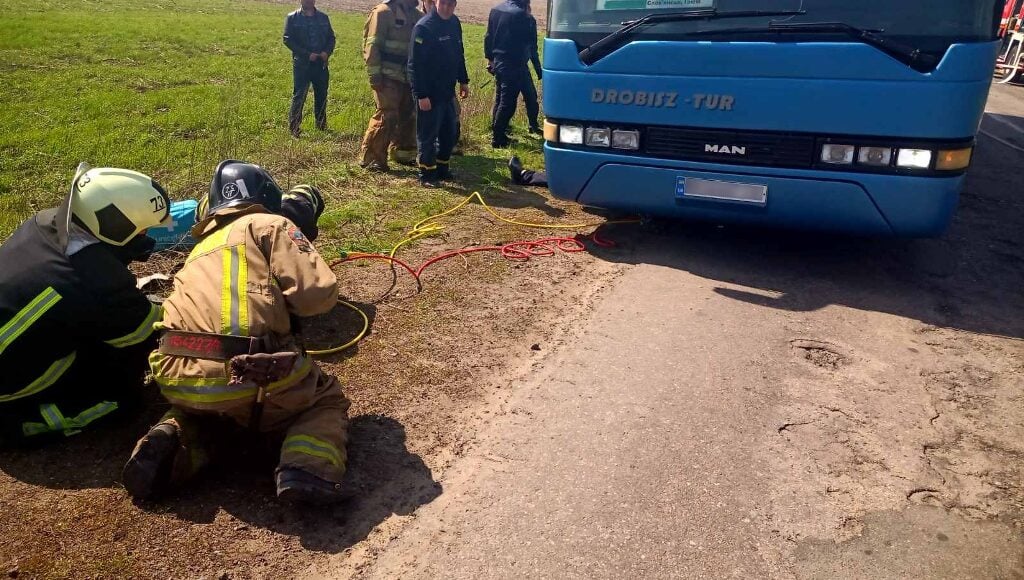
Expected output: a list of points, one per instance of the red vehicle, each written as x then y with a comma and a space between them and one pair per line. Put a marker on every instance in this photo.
1010, 63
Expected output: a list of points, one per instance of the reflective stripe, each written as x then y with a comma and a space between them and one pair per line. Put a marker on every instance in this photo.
26, 316
142, 332
210, 243
443, 161
234, 303
50, 376
310, 445
217, 390
397, 46
373, 70
422, 166
56, 421
369, 40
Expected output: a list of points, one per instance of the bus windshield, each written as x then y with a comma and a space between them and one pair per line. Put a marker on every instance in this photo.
929, 26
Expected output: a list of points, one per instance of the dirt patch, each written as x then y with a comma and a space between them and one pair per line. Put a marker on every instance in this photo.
415, 382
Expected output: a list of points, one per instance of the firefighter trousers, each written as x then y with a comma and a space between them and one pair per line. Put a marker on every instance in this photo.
392, 127
311, 417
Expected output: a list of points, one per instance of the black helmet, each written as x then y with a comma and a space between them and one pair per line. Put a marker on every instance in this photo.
240, 183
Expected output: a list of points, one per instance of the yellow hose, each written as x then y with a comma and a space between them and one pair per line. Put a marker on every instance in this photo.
422, 229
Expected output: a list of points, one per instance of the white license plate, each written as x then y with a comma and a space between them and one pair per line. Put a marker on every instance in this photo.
696, 188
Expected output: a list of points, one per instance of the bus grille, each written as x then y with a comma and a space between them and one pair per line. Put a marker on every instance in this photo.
780, 150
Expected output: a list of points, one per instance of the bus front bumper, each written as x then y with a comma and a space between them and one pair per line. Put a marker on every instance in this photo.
858, 203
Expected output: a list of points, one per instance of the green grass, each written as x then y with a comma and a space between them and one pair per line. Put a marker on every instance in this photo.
171, 87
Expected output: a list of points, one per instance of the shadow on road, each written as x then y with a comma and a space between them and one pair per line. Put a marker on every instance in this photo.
970, 279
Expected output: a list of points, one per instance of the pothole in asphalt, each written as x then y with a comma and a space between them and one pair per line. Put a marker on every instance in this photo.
820, 354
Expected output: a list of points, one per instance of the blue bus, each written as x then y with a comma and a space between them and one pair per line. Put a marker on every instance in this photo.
844, 115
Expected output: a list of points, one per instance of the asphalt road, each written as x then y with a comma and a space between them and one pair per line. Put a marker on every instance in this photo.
747, 403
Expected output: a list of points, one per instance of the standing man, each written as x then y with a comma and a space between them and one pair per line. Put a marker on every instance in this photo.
308, 33
386, 38
506, 47
436, 62
529, 90
74, 329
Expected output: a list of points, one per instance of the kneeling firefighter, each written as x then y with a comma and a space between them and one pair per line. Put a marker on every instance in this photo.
74, 329
230, 353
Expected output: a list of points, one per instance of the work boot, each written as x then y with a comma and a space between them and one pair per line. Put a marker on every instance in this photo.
296, 486
515, 167
148, 471
296, 132
444, 172
536, 130
428, 178
376, 167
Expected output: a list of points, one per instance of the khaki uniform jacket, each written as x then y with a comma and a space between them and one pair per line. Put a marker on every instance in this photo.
248, 272
386, 38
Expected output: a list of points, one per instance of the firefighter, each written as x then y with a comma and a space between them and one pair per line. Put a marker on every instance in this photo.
507, 49
386, 38
74, 329
230, 354
437, 61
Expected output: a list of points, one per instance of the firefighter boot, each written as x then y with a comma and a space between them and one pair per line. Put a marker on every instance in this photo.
515, 168
428, 177
444, 172
148, 471
296, 486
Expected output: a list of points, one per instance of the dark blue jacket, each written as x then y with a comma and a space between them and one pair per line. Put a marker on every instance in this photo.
509, 35
437, 59
306, 35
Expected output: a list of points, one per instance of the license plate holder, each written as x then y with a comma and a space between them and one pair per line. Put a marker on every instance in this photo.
717, 190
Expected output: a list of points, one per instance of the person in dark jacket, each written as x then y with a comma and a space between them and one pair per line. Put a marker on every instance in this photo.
437, 61
75, 331
529, 91
506, 47
308, 33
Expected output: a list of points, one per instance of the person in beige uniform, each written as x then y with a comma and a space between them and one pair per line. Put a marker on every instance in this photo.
386, 38
229, 352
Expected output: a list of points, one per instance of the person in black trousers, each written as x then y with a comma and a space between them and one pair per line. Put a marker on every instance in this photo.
506, 47
437, 60
522, 176
308, 33
529, 91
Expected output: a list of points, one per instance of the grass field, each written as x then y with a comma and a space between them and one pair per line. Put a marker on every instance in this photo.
171, 87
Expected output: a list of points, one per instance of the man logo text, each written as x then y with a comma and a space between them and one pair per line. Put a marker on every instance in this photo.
727, 149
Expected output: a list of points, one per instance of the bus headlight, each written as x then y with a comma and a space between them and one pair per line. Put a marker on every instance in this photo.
954, 160
875, 156
622, 139
599, 136
837, 154
914, 158
570, 134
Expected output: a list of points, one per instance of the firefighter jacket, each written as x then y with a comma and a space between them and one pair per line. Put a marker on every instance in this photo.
61, 291
386, 39
249, 271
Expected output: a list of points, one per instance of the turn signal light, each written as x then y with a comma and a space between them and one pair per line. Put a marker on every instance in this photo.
954, 160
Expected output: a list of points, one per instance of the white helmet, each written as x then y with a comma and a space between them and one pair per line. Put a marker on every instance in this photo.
116, 205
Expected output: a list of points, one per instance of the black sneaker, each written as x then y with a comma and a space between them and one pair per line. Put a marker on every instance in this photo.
535, 130
148, 471
515, 168
296, 486
376, 167
428, 178
443, 172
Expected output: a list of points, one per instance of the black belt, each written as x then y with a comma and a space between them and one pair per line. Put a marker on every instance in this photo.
212, 346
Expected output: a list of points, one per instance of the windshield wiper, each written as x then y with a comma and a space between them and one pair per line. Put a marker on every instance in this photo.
908, 55
620, 37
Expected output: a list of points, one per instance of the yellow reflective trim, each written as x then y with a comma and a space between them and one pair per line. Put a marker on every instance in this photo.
54, 372
27, 316
396, 46
55, 421
373, 70
142, 332
216, 390
242, 293
419, 40
310, 445
225, 292
210, 243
